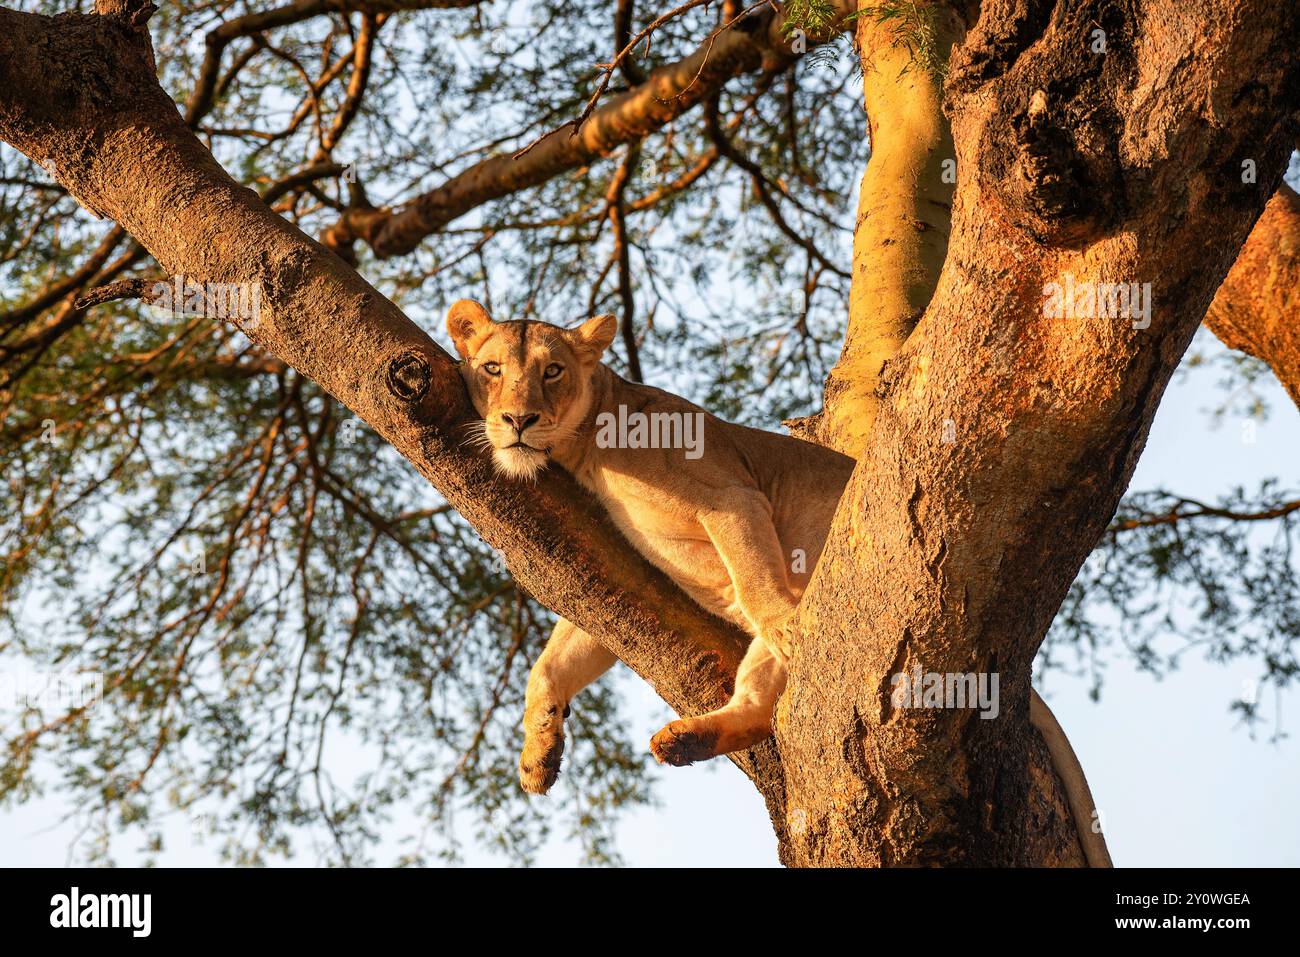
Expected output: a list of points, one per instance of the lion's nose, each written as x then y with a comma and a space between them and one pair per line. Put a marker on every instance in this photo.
520, 420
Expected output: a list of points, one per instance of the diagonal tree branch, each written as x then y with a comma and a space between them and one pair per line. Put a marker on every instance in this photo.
1257, 309
83, 88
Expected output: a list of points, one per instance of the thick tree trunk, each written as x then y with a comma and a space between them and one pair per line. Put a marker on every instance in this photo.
1122, 166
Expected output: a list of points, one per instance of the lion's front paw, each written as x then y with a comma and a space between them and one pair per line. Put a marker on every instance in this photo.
683, 742
539, 763
538, 772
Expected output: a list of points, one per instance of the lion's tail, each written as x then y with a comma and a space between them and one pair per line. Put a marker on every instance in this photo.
1077, 794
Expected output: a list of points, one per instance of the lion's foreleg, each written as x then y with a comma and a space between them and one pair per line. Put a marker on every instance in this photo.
747, 543
571, 660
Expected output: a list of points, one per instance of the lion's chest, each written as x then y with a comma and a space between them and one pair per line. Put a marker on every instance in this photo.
667, 533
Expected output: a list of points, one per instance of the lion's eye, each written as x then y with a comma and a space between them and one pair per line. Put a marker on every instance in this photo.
491, 368
553, 371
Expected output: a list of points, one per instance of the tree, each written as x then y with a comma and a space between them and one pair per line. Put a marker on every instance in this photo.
1115, 150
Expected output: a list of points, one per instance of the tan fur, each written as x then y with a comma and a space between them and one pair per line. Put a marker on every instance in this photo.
740, 527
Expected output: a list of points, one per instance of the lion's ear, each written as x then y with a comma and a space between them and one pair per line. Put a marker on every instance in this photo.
466, 321
593, 337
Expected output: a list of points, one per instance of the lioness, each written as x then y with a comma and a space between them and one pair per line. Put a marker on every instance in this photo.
723, 524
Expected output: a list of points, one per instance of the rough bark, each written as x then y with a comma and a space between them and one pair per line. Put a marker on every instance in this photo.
1257, 309
900, 243
1116, 167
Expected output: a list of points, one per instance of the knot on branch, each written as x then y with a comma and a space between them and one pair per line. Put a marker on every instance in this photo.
407, 376
1058, 189
1046, 174
1055, 92
283, 275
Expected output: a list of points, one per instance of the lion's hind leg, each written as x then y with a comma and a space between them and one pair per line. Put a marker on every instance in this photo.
741, 723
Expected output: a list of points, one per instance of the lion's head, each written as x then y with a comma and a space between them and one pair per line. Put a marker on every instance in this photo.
531, 381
